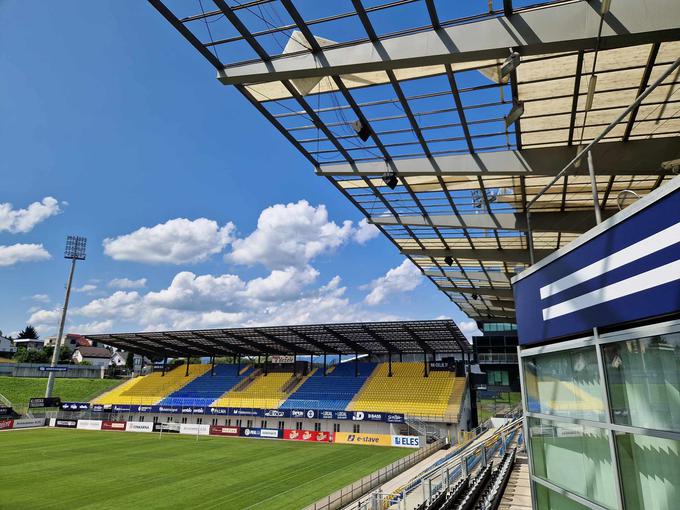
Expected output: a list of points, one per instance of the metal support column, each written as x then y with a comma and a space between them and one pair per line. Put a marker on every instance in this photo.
389, 372
294, 364
356, 364
212, 365
165, 364
57, 346
325, 364
186, 372
401, 357
238, 364
266, 371
593, 186
426, 372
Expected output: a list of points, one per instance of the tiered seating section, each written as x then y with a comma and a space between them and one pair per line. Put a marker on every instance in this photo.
152, 388
406, 392
265, 392
204, 390
333, 392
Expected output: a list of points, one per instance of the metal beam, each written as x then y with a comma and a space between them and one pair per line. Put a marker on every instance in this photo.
494, 276
568, 221
563, 27
386, 345
506, 255
355, 347
287, 345
637, 157
304, 336
480, 291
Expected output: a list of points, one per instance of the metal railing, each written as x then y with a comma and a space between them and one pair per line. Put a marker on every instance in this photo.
351, 492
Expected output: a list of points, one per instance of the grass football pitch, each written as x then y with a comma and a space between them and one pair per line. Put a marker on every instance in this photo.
79, 469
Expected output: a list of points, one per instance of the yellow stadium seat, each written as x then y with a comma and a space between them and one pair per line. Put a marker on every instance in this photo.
151, 389
265, 392
407, 391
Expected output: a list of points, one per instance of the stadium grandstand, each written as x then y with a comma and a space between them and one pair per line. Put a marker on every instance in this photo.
424, 391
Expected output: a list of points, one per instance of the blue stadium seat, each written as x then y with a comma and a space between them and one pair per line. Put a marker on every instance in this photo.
207, 388
333, 392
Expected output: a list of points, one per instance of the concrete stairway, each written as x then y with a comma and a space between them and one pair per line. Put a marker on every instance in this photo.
517, 495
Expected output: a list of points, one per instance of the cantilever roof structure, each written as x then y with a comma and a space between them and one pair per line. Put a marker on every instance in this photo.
410, 337
423, 78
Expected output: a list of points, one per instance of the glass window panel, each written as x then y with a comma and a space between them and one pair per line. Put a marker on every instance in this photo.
650, 472
565, 384
644, 381
574, 457
551, 500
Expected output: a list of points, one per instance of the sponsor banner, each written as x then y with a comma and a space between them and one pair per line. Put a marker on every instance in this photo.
113, 425
53, 369
89, 424
406, 441
447, 366
307, 414
275, 413
219, 430
307, 435
6, 424
69, 424
363, 439
194, 429
166, 427
26, 423
139, 426
625, 269
75, 406
264, 433
52, 422
44, 402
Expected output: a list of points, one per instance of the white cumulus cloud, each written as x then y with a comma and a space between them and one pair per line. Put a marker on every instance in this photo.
177, 241
87, 288
403, 278
290, 235
365, 231
10, 255
41, 298
468, 328
127, 283
23, 220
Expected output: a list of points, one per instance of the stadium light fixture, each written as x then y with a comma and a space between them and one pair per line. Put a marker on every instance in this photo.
510, 64
448, 260
361, 129
390, 180
516, 112
75, 250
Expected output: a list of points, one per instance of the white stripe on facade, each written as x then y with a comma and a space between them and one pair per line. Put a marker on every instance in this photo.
643, 281
647, 246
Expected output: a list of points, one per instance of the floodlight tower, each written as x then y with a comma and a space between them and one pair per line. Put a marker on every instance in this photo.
75, 250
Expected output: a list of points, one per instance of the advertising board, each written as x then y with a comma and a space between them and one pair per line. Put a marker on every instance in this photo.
173, 428
69, 424
406, 441
194, 429
6, 424
89, 424
26, 423
307, 435
363, 439
262, 433
139, 426
113, 425
219, 430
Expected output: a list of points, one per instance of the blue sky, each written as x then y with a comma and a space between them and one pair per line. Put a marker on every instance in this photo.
115, 128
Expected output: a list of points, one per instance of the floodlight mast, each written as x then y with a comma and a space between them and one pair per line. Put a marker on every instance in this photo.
75, 250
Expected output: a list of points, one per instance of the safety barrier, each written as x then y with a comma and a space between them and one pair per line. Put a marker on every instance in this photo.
357, 489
